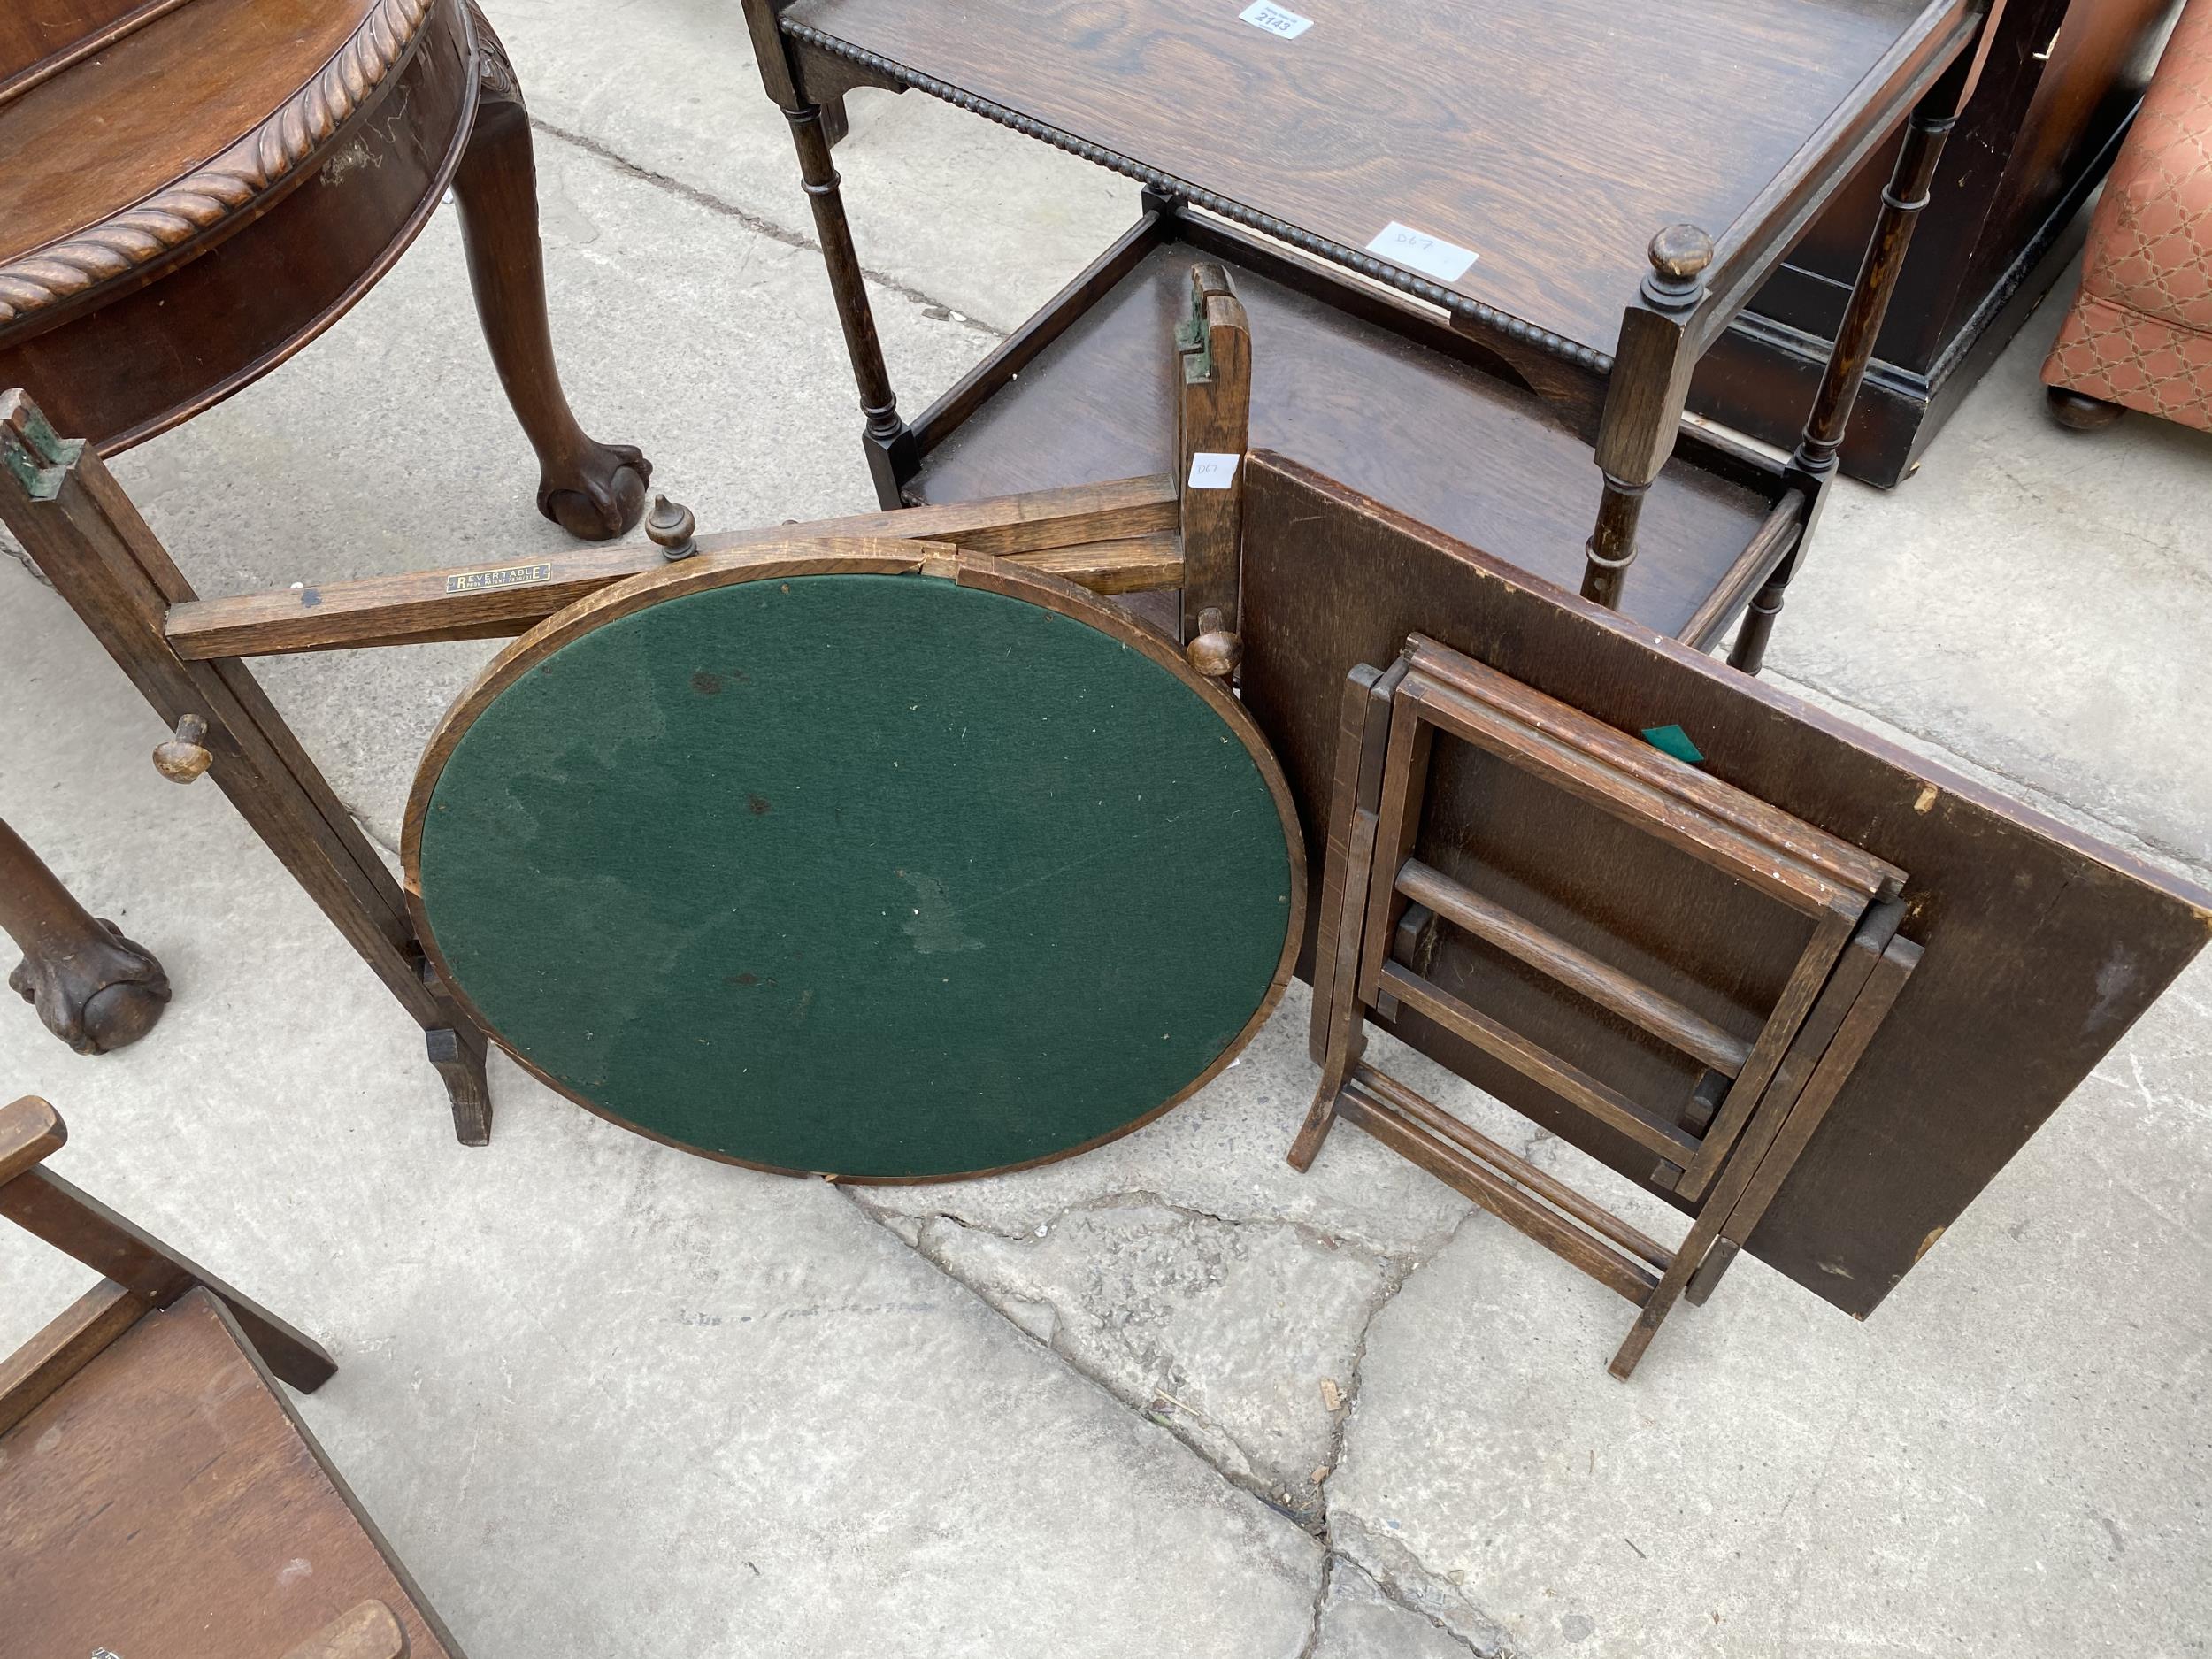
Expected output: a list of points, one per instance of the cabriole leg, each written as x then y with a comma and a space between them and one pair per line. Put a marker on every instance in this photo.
593, 490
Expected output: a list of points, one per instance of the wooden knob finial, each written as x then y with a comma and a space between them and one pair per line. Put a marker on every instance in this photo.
670, 524
184, 758
1214, 652
1679, 255
1680, 252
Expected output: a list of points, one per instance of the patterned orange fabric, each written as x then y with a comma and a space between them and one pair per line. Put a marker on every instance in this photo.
2140, 331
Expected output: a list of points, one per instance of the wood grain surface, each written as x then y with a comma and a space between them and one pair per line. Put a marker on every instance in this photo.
166, 1501
113, 129
1424, 433
1550, 138
136, 324
2042, 945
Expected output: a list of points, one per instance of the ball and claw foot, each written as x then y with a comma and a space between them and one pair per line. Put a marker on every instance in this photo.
2078, 411
105, 1001
601, 496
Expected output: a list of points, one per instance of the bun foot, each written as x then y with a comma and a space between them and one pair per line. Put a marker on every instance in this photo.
2078, 411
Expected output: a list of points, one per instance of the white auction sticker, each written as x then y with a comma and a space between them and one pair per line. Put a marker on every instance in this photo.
1212, 471
1275, 20
1418, 250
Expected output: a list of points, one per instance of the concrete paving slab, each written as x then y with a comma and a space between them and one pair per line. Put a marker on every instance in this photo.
2010, 1454
1240, 1336
972, 215
1358, 1621
2036, 598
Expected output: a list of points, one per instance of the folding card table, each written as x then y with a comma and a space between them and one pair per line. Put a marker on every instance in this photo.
973, 831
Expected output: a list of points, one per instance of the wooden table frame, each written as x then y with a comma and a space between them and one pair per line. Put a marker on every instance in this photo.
1632, 401
186, 656
1726, 1148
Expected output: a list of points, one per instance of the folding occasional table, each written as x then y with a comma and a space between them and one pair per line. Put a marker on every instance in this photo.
1475, 237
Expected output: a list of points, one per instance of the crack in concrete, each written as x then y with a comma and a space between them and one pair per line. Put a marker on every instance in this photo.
1386, 1582
1146, 1198
9, 547
1398, 1268
938, 309
1404, 1579
1249, 1480
1320, 1603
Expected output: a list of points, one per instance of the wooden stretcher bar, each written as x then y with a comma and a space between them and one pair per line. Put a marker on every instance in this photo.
1117, 537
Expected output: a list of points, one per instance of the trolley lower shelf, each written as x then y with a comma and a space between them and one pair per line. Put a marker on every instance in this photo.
1387, 403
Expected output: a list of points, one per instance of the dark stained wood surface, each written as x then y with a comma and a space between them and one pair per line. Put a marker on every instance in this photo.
98, 339
165, 1500
2062, 79
112, 130
2041, 946
1430, 435
1551, 137
38, 41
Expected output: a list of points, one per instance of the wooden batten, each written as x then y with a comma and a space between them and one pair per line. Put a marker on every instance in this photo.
1111, 538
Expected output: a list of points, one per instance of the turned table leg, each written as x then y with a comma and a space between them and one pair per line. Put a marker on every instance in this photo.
93, 988
593, 490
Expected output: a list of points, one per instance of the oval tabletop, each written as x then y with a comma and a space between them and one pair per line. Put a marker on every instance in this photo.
814, 862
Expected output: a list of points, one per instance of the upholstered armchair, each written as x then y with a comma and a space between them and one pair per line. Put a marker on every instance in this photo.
2139, 335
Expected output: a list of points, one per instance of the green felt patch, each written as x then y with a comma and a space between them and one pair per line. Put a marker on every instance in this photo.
1672, 740
867, 875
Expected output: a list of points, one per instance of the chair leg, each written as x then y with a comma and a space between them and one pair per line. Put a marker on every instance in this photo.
594, 491
1706, 1278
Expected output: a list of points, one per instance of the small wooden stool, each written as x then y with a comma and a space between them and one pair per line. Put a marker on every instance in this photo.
158, 1493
